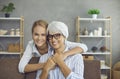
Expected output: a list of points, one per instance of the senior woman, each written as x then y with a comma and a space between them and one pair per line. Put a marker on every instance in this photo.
56, 67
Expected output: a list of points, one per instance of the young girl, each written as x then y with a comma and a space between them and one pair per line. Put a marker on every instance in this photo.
39, 47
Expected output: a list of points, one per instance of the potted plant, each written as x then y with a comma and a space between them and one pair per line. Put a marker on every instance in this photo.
8, 9
94, 12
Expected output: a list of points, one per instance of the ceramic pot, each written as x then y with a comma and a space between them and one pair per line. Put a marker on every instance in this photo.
94, 16
7, 15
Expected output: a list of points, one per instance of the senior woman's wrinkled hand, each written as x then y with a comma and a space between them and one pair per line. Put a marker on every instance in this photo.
50, 64
58, 57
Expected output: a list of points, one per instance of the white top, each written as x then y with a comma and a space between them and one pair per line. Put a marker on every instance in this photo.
74, 62
32, 51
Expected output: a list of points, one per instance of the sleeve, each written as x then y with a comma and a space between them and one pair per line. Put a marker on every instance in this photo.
75, 44
27, 55
78, 68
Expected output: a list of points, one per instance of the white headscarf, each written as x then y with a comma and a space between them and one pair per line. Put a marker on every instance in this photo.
57, 26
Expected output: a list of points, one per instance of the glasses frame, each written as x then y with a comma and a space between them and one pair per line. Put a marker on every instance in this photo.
56, 36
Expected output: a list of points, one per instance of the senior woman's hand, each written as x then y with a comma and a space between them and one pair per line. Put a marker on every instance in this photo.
50, 64
58, 57
59, 60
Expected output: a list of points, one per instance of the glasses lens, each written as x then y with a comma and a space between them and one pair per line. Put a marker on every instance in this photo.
56, 36
50, 36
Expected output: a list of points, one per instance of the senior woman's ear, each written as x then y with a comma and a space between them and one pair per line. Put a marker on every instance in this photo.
65, 39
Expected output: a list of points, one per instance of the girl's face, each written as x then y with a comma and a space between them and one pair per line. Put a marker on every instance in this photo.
56, 40
39, 36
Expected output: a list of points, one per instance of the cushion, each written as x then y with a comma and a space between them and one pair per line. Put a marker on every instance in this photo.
92, 69
9, 68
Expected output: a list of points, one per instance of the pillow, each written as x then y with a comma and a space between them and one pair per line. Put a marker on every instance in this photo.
92, 69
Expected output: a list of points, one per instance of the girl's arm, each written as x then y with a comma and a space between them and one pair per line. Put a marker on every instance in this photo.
74, 48
24, 65
72, 52
33, 67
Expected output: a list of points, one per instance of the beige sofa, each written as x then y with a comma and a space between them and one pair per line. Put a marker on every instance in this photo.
9, 69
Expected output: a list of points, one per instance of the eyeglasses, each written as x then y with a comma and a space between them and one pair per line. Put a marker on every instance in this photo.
56, 36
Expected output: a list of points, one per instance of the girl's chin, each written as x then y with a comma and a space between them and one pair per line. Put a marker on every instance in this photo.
39, 45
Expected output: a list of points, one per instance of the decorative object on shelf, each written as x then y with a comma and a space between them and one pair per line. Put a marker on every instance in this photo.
85, 32
94, 13
105, 32
3, 32
95, 32
14, 47
12, 32
103, 49
94, 48
99, 31
18, 31
91, 34
102, 63
88, 57
8, 9
103, 76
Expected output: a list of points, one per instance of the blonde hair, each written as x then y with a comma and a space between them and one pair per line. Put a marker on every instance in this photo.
41, 23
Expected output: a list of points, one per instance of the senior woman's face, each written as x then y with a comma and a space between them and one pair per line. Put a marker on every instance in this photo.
56, 39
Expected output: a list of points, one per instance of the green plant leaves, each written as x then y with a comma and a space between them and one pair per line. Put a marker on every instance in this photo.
93, 11
8, 8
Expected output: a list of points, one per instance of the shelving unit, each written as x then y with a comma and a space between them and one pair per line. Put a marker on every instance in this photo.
96, 33
11, 42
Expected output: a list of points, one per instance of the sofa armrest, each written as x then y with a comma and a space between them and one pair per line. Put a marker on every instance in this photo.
92, 69
9, 68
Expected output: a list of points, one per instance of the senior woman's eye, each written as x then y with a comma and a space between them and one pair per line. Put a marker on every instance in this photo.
56, 36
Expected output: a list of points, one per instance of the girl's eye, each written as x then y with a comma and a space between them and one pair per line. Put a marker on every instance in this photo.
36, 34
43, 34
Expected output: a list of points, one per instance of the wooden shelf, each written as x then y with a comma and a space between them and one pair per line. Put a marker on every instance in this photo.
10, 18
96, 53
9, 53
94, 36
105, 67
11, 35
91, 19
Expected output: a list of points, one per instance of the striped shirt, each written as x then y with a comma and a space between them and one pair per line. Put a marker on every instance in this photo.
75, 62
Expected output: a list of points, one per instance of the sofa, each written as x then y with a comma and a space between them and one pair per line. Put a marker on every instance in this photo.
9, 69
